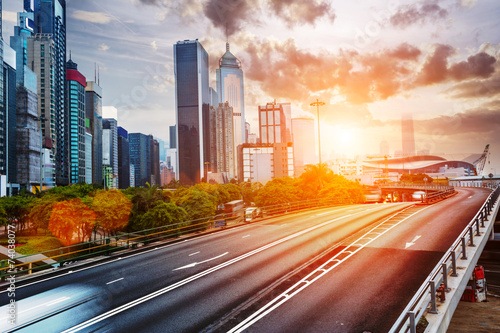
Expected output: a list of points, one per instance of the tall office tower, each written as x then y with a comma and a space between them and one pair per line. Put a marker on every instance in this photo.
123, 159
247, 131
75, 88
303, 144
163, 152
230, 87
50, 19
140, 158
88, 156
8, 124
272, 124
214, 97
173, 136
408, 135
287, 111
28, 132
192, 103
110, 149
155, 161
223, 139
41, 60
93, 124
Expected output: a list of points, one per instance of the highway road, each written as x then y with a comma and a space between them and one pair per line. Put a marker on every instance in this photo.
200, 283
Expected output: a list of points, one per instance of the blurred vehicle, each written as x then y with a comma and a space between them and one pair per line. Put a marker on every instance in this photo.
372, 194
42, 307
234, 208
418, 195
251, 213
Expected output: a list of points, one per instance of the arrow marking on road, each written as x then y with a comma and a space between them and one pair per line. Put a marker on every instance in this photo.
412, 242
201, 262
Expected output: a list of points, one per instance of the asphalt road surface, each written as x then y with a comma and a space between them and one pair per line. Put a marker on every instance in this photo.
197, 284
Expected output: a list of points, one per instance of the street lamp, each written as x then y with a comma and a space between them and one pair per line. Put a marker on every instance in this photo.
317, 104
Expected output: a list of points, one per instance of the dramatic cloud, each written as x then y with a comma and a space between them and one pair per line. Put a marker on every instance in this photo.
408, 15
476, 121
300, 11
229, 15
93, 17
405, 52
477, 88
437, 70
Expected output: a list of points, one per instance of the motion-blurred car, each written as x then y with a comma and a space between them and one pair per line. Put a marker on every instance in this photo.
418, 195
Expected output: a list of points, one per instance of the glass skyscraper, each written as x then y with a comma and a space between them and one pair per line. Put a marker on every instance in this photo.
230, 88
76, 83
93, 124
123, 159
50, 20
192, 103
140, 157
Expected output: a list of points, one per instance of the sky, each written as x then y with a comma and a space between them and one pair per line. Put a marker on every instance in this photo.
369, 61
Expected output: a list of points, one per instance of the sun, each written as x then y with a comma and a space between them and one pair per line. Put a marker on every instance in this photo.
341, 140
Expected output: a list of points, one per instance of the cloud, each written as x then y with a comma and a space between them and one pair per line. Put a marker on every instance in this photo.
103, 47
93, 17
229, 15
476, 88
437, 70
299, 12
154, 46
408, 15
483, 120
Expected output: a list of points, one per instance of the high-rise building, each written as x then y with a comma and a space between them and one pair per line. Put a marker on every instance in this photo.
287, 111
303, 144
50, 20
408, 136
155, 161
28, 132
75, 89
230, 87
263, 162
41, 60
173, 136
110, 149
93, 124
140, 158
8, 123
223, 155
123, 159
273, 124
192, 103
88, 157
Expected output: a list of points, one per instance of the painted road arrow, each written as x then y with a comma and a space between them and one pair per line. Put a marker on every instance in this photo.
412, 242
201, 262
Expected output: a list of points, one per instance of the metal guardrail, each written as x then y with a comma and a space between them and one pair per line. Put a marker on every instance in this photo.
24, 265
425, 299
438, 195
419, 186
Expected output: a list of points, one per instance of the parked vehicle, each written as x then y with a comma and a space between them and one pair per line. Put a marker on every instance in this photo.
418, 195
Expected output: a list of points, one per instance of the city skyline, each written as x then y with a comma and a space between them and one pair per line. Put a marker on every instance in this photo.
369, 62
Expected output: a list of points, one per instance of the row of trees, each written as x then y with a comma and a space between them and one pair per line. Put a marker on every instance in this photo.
74, 213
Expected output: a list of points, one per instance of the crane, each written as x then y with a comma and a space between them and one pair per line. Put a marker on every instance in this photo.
481, 161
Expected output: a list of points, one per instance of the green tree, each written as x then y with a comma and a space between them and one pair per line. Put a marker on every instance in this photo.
278, 191
112, 210
17, 209
39, 215
340, 190
314, 178
163, 214
197, 203
249, 190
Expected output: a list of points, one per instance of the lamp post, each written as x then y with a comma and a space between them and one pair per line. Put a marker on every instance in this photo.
317, 104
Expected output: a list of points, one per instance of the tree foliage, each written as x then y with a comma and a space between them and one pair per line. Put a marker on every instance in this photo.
415, 178
72, 221
279, 191
162, 214
197, 203
112, 210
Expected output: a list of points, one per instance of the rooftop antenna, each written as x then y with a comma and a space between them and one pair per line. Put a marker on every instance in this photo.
95, 71
227, 39
69, 54
98, 77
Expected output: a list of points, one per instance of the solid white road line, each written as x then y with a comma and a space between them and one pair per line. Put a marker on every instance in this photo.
192, 254
110, 282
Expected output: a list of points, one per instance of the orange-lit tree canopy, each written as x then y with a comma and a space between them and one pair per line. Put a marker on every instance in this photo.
112, 209
72, 221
